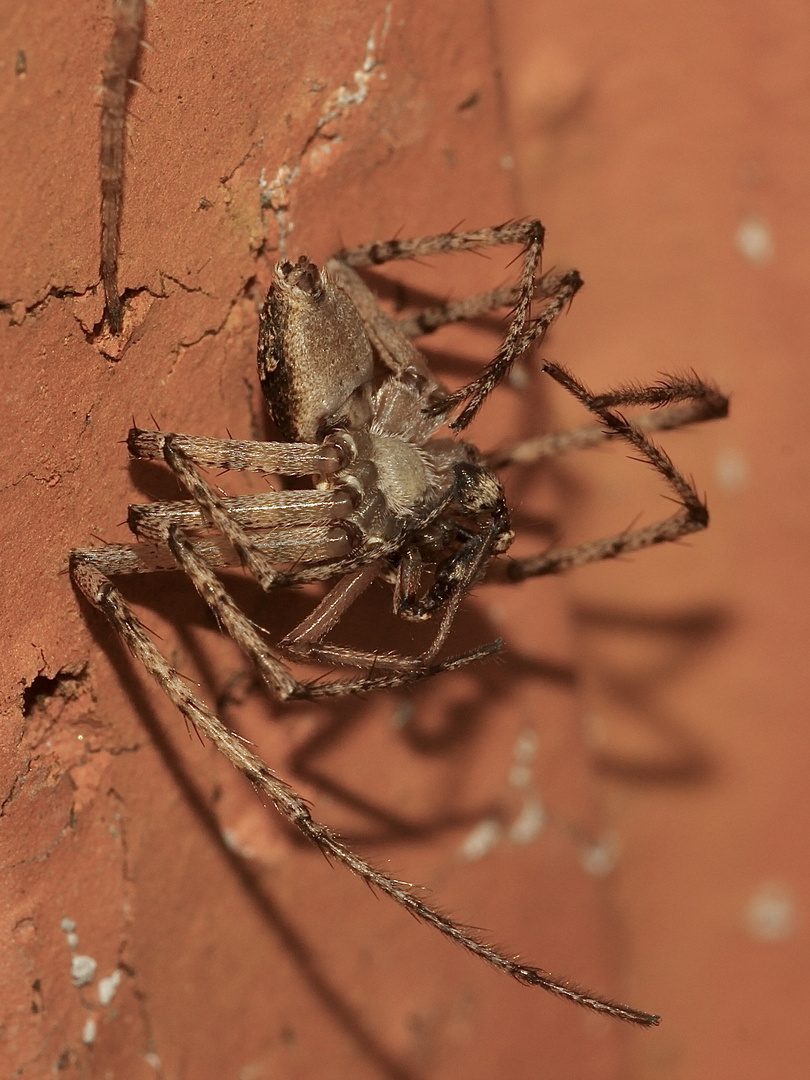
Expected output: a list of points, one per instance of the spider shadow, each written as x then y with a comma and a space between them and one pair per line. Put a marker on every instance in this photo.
443, 361
431, 731
249, 877
676, 641
342, 719
493, 681
432, 734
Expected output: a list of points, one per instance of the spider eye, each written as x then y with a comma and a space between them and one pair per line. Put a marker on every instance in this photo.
308, 280
413, 379
303, 275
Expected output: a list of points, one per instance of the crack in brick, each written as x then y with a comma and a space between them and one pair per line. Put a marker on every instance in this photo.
275, 193
19, 311
254, 146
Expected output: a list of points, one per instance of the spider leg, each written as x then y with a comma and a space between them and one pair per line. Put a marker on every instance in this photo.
693, 514
453, 580
478, 491
214, 510
522, 332
119, 72
163, 523
513, 232
246, 635
267, 510
429, 319
104, 595
305, 642
191, 556
249, 551
288, 545
284, 458
705, 402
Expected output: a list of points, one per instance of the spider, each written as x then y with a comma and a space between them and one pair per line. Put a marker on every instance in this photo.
359, 412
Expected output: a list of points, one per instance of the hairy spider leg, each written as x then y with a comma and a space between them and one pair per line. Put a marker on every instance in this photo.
523, 330
104, 595
429, 319
120, 68
693, 514
707, 404
164, 524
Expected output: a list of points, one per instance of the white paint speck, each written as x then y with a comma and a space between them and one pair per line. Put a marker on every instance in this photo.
108, 986
89, 1031
755, 240
152, 1059
68, 925
770, 914
520, 776
600, 859
82, 970
507, 162
233, 842
344, 99
523, 754
518, 377
525, 748
483, 839
402, 714
530, 821
230, 840
731, 470
73, 941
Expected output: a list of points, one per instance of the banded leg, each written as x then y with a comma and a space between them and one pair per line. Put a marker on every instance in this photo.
104, 595
429, 319
270, 666
453, 580
522, 330
693, 515
215, 511
421, 247
697, 402
250, 551
391, 343
283, 458
164, 523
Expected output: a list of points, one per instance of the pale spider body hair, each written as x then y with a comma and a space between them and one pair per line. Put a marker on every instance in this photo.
359, 412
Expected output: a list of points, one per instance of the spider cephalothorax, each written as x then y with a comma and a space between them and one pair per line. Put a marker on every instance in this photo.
411, 492
390, 497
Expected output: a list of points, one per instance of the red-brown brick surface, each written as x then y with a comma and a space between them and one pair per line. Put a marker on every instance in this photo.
665, 144
239, 952
660, 729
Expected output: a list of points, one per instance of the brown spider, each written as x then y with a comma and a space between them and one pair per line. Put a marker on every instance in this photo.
358, 411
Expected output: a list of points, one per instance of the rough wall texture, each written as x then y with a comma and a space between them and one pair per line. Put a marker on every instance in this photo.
156, 919
666, 146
